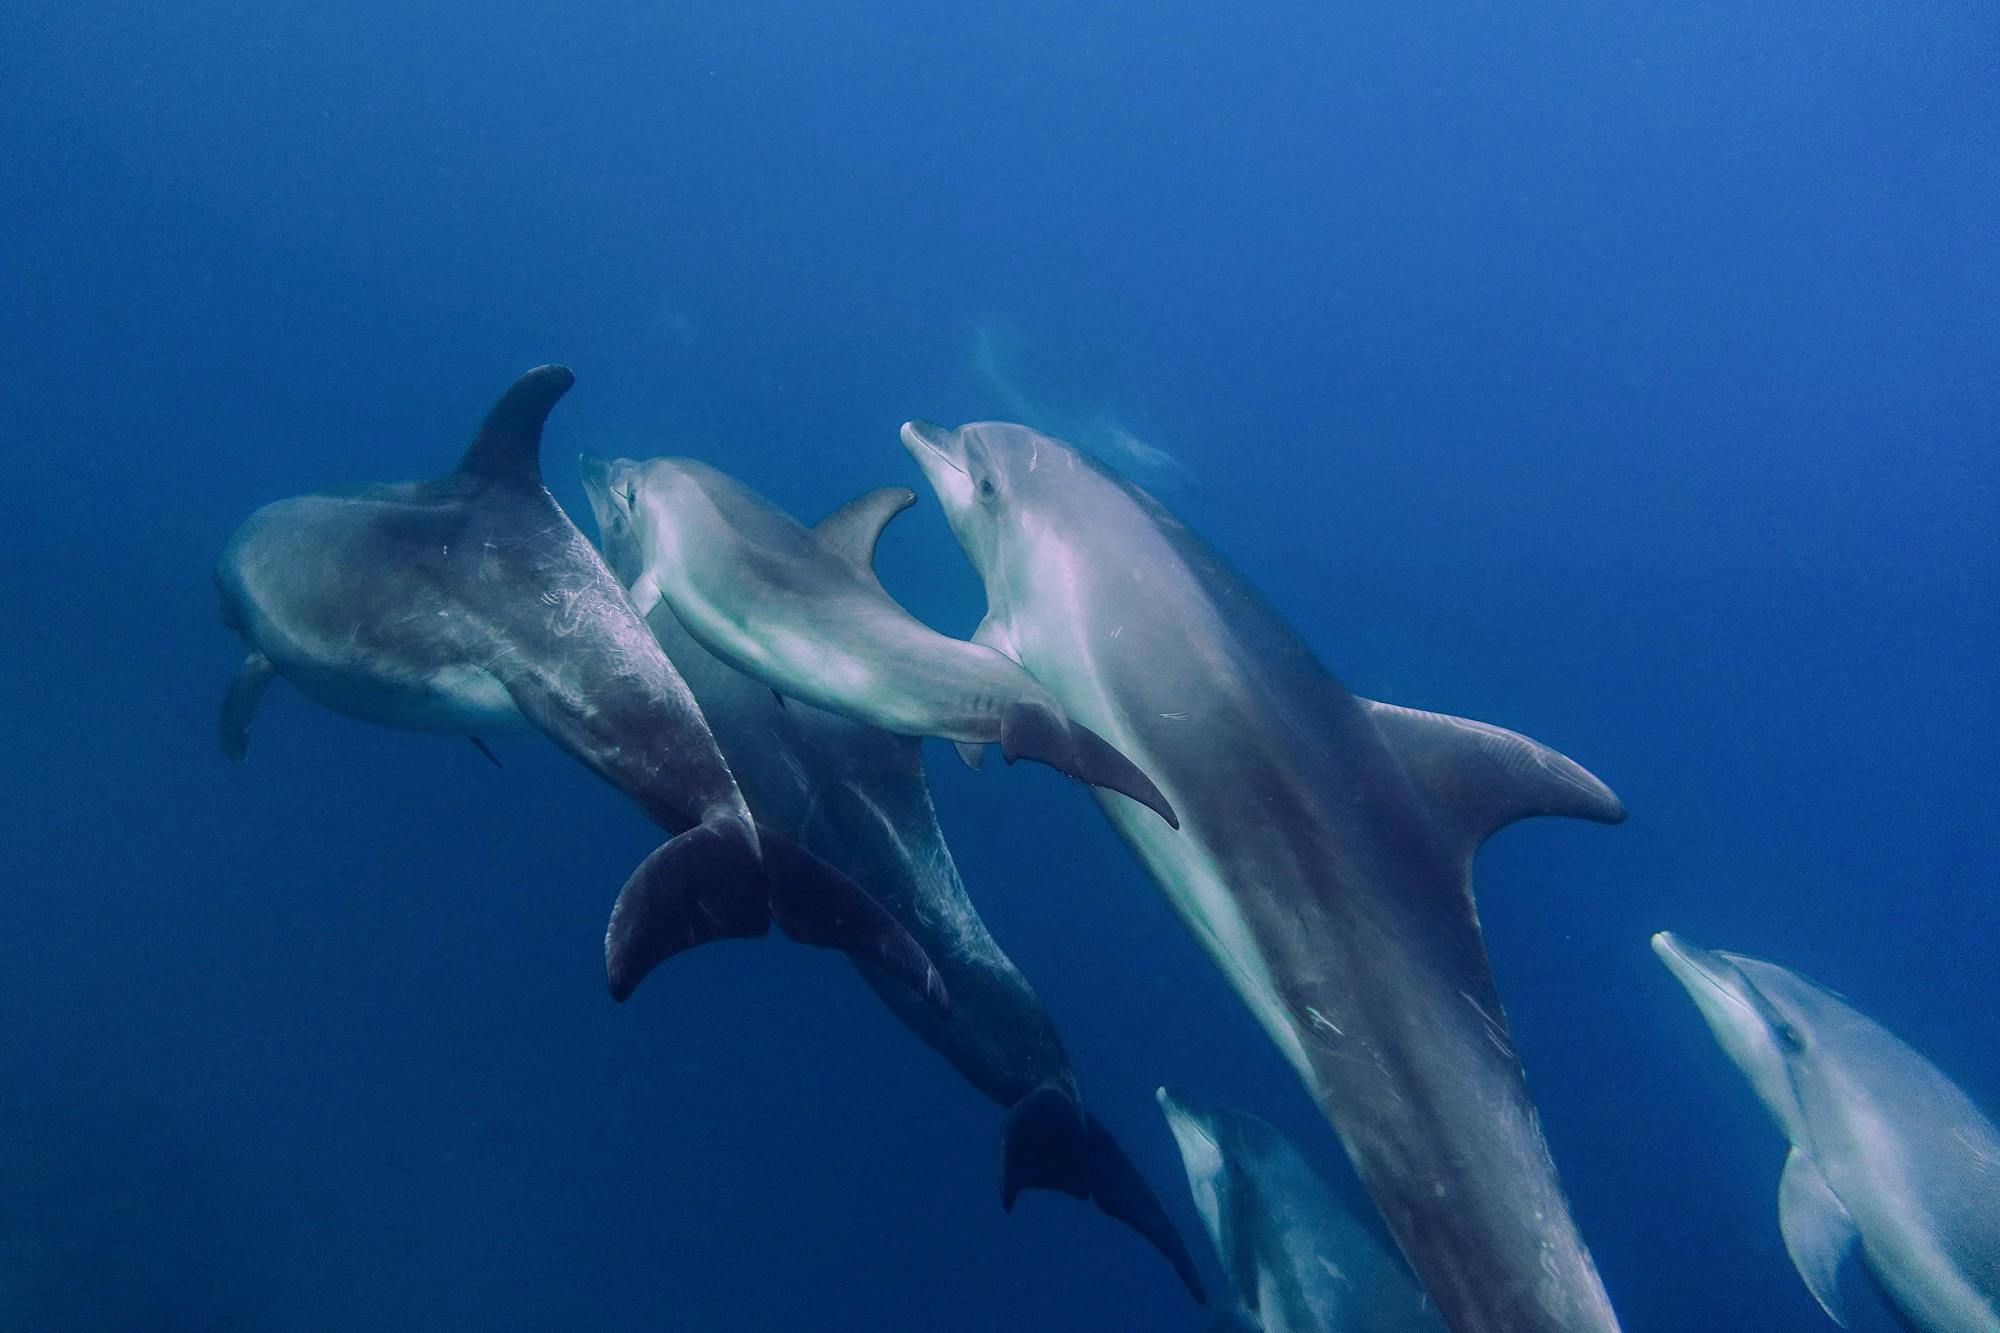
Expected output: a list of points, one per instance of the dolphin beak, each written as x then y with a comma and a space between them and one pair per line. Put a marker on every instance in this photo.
930, 444
595, 472
1694, 967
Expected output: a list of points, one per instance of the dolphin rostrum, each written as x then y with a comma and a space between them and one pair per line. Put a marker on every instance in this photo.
1325, 855
1296, 1259
801, 610
856, 795
1888, 1156
471, 604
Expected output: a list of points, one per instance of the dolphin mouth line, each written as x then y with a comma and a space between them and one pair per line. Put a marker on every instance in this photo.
913, 436
1671, 944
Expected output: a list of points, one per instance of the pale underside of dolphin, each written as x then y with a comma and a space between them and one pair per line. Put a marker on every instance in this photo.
801, 610
856, 796
1296, 1258
471, 604
1324, 859
1889, 1159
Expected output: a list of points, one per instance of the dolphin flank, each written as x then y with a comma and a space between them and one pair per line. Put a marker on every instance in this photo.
801, 610
1888, 1157
856, 796
470, 605
1324, 859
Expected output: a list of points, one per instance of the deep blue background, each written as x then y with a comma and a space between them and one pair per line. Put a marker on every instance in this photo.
1624, 374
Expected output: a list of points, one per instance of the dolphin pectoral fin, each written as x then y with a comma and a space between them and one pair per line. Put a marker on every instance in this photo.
1121, 1192
972, 755
1030, 729
1479, 777
1042, 1147
703, 885
1819, 1233
645, 595
852, 530
992, 634
239, 704
816, 904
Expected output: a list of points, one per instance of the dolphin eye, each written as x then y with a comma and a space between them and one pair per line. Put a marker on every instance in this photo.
1791, 1037
986, 488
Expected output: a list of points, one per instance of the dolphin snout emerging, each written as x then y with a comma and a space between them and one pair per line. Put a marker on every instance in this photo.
928, 440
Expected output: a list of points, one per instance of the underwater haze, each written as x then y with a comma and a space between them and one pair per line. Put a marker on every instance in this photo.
1627, 375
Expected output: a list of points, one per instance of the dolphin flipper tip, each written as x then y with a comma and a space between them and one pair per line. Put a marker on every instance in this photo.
815, 903
1031, 730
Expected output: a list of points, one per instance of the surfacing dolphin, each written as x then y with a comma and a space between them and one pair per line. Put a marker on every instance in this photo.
470, 605
856, 795
1887, 1154
801, 610
1325, 857
1297, 1260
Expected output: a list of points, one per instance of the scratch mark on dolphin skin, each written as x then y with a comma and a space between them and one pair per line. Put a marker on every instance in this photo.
1116, 632
1175, 717
1319, 1019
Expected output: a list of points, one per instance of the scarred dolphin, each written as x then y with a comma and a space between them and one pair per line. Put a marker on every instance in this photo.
856, 795
801, 610
471, 604
1889, 1159
1324, 858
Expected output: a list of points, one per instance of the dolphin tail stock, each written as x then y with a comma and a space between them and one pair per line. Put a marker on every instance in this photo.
1030, 729
1050, 1142
239, 704
712, 882
814, 903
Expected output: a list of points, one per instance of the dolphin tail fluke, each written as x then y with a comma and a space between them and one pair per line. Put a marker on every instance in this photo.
816, 904
239, 704
1043, 1147
703, 885
1121, 1192
1030, 729
1052, 1143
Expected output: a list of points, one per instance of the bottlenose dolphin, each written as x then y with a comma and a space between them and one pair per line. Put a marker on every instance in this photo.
1887, 1154
1325, 856
856, 795
1296, 1259
801, 610
471, 604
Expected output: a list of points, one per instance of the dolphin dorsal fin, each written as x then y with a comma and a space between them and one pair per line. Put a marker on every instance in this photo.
852, 530
1479, 777
1819, 1232
508, 446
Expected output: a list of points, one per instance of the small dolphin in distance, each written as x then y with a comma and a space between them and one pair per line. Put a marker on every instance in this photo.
856, 795
1888, 1157
1325, 857
801, 610
1297, 1261
471, 604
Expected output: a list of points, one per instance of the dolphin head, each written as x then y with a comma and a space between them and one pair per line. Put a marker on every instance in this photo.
1203, 1140
987, 475
1761, 1015
613, 488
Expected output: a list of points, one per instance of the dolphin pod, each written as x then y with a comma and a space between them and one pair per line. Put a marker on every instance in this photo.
856, 795
801, 610
471, 604
1888, 1158
1296, 1259
1324, 857
750, 686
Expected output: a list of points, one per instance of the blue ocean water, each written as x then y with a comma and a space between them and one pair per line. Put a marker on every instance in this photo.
1625, 375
